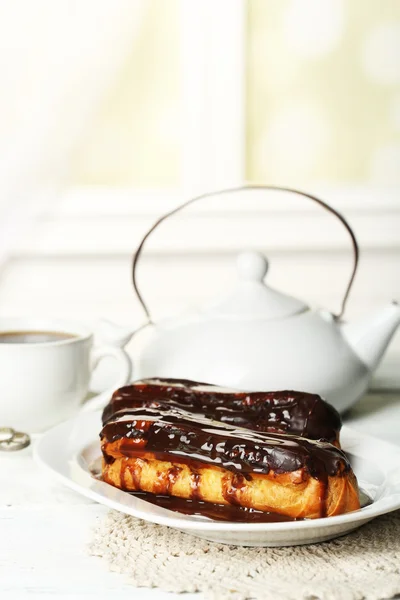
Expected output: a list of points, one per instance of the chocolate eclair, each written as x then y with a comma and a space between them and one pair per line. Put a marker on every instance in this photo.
172, 451
296, 413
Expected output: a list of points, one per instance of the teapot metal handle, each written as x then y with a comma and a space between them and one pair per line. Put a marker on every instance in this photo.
241, 189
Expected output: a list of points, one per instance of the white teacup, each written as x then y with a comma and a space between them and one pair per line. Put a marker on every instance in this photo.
45, 380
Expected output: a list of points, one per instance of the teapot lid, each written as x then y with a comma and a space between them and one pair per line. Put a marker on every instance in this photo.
252, 298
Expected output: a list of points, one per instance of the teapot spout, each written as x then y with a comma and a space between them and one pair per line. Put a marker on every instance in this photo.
113, 334
370, 338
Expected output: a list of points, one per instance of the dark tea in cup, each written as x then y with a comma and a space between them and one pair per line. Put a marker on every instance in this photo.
33, 337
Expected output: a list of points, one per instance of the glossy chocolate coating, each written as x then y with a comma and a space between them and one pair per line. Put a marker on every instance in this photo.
179, 436
296, 413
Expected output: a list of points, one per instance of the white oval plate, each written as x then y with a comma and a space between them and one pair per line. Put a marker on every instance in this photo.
68, 449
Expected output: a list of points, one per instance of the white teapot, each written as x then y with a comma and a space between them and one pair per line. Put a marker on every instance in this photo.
260, 339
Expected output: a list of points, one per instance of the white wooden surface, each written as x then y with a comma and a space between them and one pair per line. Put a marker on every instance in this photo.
45, 528
44, 531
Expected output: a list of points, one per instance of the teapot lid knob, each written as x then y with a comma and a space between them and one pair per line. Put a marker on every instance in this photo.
252, 266
252, 298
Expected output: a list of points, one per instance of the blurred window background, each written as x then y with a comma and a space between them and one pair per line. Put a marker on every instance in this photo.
113, 112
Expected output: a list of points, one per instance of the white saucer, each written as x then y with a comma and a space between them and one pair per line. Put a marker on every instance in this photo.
68, 449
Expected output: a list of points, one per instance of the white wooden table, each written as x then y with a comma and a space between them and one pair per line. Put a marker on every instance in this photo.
44, 528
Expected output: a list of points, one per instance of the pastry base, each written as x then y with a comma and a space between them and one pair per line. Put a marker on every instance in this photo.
295, 494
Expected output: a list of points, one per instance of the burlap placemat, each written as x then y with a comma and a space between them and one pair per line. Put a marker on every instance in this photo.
362, 565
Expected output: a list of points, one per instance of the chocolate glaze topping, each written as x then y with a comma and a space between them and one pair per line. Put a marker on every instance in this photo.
177, 435
296, 413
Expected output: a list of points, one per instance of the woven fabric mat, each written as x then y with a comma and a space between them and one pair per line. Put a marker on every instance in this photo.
364, 565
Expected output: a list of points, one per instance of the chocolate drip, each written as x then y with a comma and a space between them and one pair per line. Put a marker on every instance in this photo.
216, 512
296, 413
324, 494
135, 473
179, 436
230, 488
195, 484
172, 476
